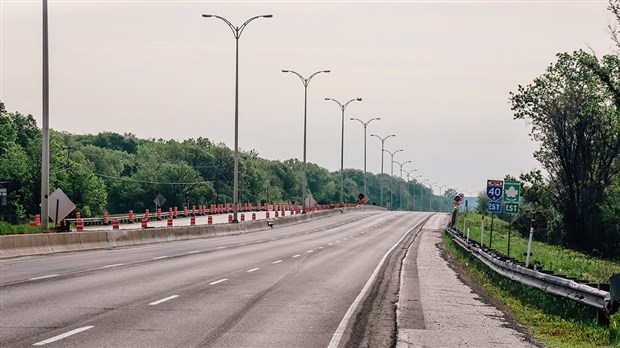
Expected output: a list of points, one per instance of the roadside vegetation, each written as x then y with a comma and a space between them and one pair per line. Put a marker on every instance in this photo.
554, 321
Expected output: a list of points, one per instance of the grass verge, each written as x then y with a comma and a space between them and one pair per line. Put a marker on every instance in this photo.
7, 228
554, 321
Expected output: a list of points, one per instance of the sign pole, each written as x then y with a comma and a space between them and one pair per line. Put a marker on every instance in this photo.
482, 232
491, 235
509, 230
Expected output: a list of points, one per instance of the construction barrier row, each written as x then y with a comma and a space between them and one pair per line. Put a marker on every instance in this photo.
48, 243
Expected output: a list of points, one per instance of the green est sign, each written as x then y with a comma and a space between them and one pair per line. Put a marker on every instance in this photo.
512, 196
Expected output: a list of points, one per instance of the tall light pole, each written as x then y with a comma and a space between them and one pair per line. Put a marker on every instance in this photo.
409, 182
365, 124
382, 151
305, 82
442, 199
422, 184
430, 193
419, 176
45, 140
237, 33
401, 177
392, 172
342, 107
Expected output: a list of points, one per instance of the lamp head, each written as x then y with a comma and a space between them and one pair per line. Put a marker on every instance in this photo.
285, 71
267, 16
359, 99
207, 15
326, 71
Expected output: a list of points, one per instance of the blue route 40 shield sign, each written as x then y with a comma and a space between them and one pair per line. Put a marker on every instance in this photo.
495, 190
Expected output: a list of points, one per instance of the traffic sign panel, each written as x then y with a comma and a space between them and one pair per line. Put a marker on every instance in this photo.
512, 191
495, 207
511, 208
495, 189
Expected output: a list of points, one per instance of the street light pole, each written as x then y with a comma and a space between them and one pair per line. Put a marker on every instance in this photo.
305, 82
409, 183
237, 33
442, 198
392, 173
342, 107
401, 177
430, 192
422, 184
382, 151
419, 176
45, 131
365, 124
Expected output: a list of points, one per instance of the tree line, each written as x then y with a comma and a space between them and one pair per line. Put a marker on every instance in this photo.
574, 112
120, 172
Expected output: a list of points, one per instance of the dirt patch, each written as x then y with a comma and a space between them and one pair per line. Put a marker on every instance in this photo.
485, 296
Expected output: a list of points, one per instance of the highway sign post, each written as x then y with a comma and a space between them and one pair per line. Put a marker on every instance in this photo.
495, 189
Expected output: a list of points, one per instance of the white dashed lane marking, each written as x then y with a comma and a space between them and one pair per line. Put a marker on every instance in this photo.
218, 281
160, 257
45, 277
114, 265
66, 334
277, 262
296, 255
193, 252
252, 270
163, 300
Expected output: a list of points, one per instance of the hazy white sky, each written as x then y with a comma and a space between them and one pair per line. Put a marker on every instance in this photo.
438, 73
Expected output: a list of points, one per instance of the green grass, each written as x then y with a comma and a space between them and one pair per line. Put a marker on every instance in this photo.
554, 321
550, 257
7, 228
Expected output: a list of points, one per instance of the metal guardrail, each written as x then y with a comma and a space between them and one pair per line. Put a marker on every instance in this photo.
552, 284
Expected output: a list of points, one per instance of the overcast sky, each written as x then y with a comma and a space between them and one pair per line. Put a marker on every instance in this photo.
438, 73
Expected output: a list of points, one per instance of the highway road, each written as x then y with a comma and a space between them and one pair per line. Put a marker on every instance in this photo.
292, 286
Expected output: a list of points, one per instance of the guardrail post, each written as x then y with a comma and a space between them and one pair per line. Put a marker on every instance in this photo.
529, 243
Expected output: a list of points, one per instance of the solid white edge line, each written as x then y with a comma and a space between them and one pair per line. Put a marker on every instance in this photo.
252, 270
114, 265
163, 300
66, 334
277, 262
345, 321
218, 281
45, 277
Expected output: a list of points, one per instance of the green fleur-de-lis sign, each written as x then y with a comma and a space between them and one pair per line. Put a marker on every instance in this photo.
512, 191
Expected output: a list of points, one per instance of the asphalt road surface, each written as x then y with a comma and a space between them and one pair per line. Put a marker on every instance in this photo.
293, 286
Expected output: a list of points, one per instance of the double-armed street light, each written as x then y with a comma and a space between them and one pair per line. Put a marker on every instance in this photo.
409, 184
305, 82
430, 192
401, 177
392, 172
382, 151
237, 33
343, 107
422, 184
442, 199
365, 124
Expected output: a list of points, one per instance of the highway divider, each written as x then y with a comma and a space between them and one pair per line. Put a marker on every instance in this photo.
48, 243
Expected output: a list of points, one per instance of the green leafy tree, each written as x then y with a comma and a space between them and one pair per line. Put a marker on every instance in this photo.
574, 119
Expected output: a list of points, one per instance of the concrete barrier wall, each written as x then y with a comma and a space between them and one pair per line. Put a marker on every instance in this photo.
7, 247
31, 244
40, 244
60, 242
